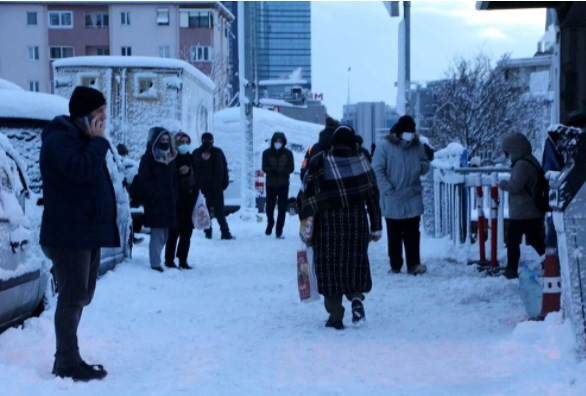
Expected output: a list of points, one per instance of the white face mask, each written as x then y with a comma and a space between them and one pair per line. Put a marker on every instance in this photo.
278, 145
408, 136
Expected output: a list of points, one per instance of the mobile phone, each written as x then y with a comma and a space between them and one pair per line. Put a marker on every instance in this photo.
88, 118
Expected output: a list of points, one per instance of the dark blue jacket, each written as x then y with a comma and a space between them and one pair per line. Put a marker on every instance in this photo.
79, 200
158, 180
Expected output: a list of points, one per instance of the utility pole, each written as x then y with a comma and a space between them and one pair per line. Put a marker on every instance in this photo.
404, 77
245, 42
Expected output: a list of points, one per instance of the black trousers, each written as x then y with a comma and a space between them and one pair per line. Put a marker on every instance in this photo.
277, 196
404, 232
75, 272
181, 250
216, 208
533, 229
334, 305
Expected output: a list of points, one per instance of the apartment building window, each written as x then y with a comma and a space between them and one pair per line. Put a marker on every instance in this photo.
103, 51
162, 16
165, 51
33, 52
195, 19
96, 20
60, 52
126, 51
33, 86
31, 18
200, 53
125, 18
61, 19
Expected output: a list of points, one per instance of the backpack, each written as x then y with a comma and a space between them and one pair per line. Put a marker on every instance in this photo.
136, 193
541, 194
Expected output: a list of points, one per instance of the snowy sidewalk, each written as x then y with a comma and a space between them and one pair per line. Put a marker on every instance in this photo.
235, 325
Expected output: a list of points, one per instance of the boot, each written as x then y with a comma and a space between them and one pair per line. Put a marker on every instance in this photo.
208, 233
357, 310
83, 372
227, 236
269, 229
336, 324
183, 265
419, 269
170, 264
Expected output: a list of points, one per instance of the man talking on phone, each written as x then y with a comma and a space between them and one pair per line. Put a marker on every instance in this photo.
79, 218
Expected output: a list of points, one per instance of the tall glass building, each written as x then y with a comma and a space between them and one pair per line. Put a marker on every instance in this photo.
283, 39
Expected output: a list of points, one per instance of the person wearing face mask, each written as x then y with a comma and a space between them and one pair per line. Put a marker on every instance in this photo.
211, 174
399, 162
188, 192
157, 175
277, 164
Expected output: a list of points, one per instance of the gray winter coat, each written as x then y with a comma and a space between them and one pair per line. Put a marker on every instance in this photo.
524, 178
398, 166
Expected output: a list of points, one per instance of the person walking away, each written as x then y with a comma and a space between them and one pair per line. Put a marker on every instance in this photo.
361, 149
525, 218
277, 164
157, 175
211, 170
399, 162
79, 218
341, 195
188, 193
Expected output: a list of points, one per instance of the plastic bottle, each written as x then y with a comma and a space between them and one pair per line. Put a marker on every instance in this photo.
531, 283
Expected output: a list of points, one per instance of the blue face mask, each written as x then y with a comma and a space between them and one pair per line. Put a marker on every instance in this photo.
183, 149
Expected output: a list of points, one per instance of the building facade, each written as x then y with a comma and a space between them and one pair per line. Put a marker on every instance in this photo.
33, 35
371, 120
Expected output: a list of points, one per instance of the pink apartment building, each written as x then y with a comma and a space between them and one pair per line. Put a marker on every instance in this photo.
33, 34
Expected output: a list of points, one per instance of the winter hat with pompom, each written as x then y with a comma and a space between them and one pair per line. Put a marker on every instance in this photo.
84, 100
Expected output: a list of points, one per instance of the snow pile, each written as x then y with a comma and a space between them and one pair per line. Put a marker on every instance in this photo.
31, 105
5, 84
448, 157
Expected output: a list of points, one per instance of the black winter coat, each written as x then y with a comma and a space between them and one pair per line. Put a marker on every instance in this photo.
277, 164
211, 177
158, 181
188, 192
79, 201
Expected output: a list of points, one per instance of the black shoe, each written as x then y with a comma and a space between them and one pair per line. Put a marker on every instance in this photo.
227, 236
208, 233
269, 229
511, 273
184, 265
83, 373
419, 269
96, 369
158, 269
336, 324
357, 311
394, 271
170, 264
280, 236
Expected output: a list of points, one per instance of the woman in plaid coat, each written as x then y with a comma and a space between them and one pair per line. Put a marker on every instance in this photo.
339, 191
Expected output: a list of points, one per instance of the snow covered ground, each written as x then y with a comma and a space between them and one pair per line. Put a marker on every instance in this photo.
235, 325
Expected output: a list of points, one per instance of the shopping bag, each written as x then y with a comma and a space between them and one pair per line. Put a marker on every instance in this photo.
306, 278
200, 216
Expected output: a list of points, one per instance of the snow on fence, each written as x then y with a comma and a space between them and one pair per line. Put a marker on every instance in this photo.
461, 196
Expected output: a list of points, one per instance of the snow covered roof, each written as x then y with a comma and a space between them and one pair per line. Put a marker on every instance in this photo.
5, 84
276, 102
135, 61
31, 105
287, 81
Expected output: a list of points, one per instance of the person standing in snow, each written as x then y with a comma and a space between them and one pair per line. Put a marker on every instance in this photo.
525, 218
79, 218
211, 173
157, 175
277, 164
188, 192
399, 162
339, 192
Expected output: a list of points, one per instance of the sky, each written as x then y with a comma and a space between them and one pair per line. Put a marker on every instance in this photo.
363, 37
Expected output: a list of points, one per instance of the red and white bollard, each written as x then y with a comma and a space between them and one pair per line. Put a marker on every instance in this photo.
259, 182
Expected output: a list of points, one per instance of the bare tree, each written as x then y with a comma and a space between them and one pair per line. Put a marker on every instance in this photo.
478, 103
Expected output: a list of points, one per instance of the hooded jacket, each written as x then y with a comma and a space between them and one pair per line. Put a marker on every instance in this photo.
79, 201
157, 175
277, 164
524, 179
324, 143
398, 166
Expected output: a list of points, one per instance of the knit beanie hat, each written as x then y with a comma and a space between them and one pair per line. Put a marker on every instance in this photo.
344, 135
84, 100
207, 136
332, 123
404, 124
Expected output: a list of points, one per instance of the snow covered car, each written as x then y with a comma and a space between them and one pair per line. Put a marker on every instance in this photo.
23, 115
23, 275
